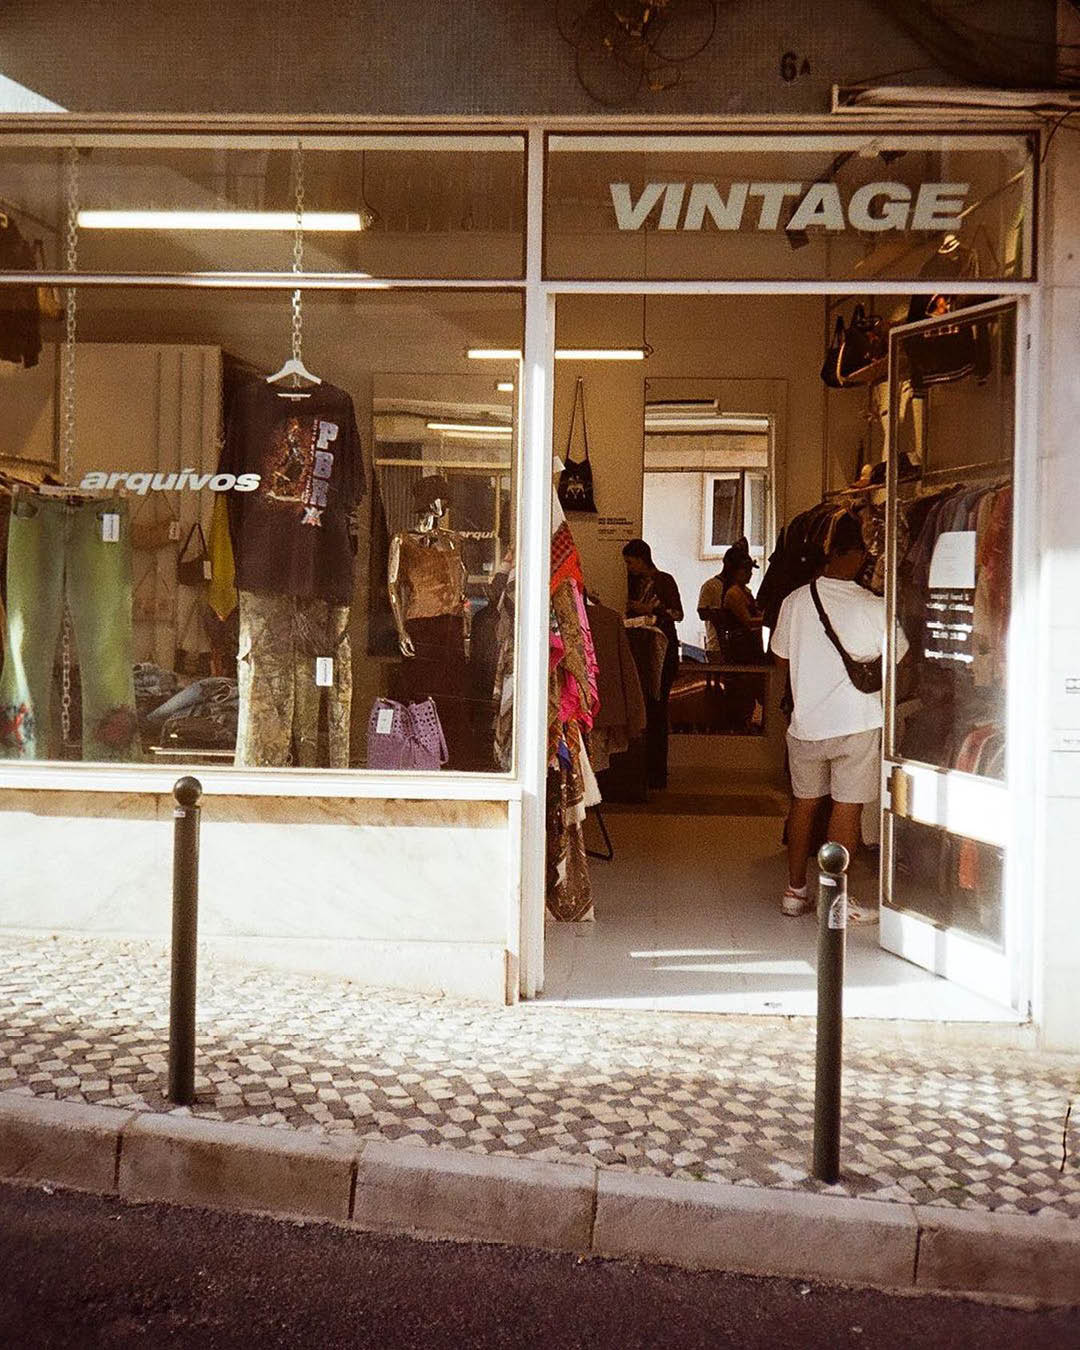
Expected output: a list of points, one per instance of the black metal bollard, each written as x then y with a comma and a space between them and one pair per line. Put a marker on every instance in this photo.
832, 924
185, 923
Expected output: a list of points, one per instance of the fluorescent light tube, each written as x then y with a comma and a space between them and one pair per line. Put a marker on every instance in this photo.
321, 221
471, 428
600, 354
561, 354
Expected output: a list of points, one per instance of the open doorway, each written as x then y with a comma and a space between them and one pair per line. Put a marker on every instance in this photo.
726, 435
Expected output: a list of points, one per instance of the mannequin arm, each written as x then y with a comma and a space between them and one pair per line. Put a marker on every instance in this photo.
393, 587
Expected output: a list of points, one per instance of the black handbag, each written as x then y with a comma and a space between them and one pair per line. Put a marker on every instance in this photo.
859, 351
830, 367
576, 482
867, 676
864, 352
194, 570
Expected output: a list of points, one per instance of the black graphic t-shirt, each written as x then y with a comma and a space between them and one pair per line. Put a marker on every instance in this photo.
292, 535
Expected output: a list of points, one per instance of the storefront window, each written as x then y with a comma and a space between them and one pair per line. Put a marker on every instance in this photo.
206, 565
788, 207
387, 206
953, 428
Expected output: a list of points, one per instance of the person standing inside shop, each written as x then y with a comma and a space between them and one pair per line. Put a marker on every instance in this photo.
655, 594
834, 739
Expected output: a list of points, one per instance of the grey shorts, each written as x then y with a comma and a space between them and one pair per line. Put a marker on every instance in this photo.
846, 768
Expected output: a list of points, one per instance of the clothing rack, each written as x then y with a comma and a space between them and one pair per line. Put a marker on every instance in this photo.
609, 855
953, 476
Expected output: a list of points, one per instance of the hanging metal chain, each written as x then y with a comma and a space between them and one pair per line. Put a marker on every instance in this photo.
67, 416
67, 424
298, 252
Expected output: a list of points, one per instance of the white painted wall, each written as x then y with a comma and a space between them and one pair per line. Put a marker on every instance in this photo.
1056, 934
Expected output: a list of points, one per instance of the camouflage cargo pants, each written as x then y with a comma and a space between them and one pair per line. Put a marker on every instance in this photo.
281, 639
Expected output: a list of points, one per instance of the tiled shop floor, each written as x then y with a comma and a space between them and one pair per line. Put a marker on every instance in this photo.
683, 1095
688, 920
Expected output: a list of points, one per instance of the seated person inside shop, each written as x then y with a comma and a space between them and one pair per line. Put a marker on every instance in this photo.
733, 631
654, 595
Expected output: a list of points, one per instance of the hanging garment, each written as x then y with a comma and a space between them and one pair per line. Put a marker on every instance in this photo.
432, 574
76, 550
439, 671
569, 890
221, 595
293, 534
281, 639
622, 703
483, 668
20, 311
504, 678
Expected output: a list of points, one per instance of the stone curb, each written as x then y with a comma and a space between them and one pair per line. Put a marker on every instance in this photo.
386, 1187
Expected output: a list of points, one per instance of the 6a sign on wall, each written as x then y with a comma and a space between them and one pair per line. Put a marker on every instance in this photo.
874, 207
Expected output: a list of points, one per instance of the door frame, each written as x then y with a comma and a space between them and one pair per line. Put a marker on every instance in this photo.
1001, 814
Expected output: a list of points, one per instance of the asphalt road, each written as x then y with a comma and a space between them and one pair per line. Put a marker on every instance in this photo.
83, 1271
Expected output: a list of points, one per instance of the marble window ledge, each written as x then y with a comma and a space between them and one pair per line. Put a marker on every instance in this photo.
159, 780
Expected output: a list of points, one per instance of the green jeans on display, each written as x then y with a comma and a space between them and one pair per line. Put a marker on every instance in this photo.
281, 637
78, 550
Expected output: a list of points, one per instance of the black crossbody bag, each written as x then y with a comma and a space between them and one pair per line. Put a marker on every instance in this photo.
867, 676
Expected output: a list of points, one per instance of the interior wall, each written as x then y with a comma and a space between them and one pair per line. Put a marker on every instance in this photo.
729, 338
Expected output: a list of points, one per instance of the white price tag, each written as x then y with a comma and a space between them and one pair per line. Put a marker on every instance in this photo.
110, 527
324, 671
384, 723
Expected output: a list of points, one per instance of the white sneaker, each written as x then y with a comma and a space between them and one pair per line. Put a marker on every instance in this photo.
796, 902
862, 916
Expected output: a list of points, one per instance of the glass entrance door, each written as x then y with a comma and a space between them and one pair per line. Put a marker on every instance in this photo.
946, 887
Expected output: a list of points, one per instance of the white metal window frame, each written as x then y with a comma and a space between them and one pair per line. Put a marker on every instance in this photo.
524, 788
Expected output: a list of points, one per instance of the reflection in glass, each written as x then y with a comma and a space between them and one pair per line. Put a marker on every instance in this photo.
705, 206
427, 206
953, 420
206, 579
953, 882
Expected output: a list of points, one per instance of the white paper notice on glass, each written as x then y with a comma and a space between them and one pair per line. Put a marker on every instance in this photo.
324, 671
952, 567
384, 722
110, 527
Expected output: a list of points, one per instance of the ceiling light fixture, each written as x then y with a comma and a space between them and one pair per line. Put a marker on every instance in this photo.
471, 428
562, 354
333, 222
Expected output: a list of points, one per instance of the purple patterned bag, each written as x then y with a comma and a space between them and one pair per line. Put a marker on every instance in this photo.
404, 736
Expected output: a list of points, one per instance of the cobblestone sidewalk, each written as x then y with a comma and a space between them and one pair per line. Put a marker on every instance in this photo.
681, 1095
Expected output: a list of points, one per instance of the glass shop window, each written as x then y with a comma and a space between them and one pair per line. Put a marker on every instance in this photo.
678, 207
444, 206
221, 548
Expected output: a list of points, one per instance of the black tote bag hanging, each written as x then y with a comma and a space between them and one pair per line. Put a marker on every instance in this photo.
575, 482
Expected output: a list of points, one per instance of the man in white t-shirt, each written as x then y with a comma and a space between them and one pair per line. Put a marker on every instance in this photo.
834, 740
